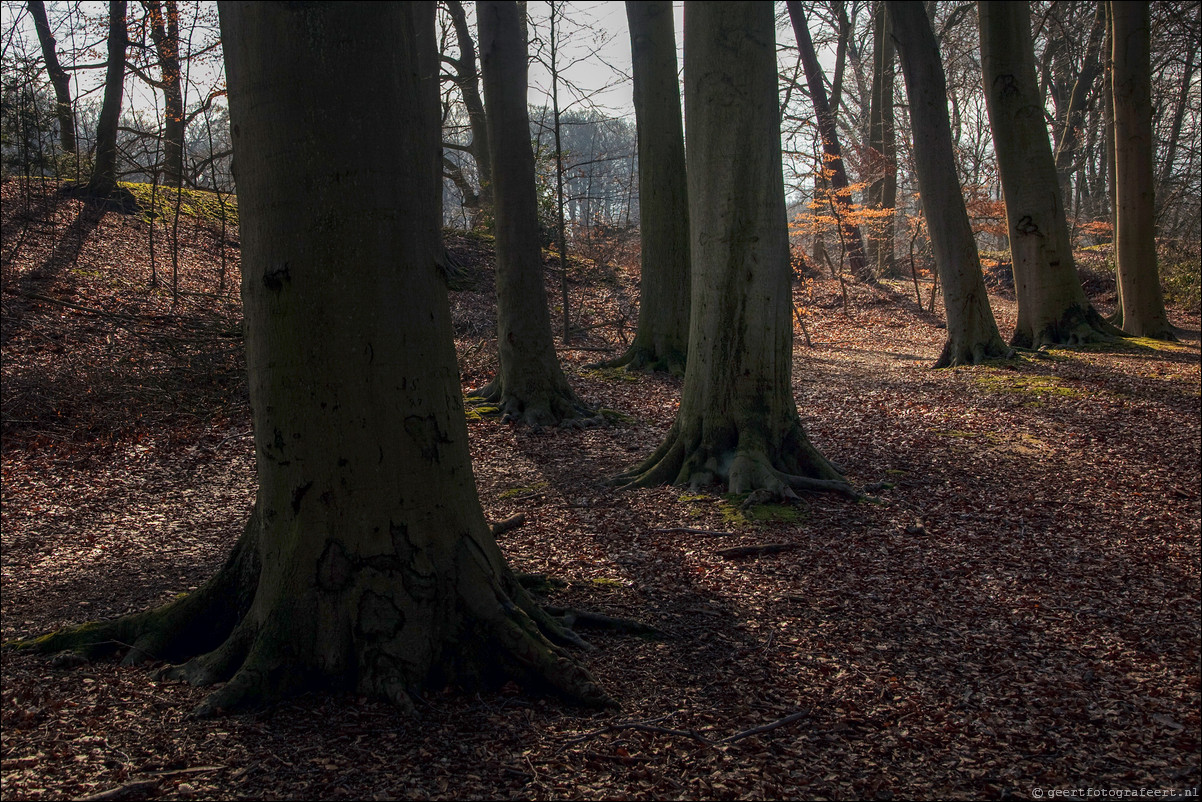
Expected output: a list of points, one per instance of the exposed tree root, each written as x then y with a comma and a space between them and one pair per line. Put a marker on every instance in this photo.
1119, 321
793, 464
643, 359
572, 617
536, 410
957, 353
1077, 326
196, 622
250, 637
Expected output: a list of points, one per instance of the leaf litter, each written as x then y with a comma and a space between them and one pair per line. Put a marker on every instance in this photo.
1018, 612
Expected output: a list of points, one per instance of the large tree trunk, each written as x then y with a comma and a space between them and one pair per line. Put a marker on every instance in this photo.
59, 78
972, 333
103, 182
737, 421
367, 565
663, 333
1052, 307
833, 156
530, 386
1141, 312
882, 188
164, 30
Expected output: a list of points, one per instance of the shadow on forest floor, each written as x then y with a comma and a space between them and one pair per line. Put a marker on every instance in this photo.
1019, 612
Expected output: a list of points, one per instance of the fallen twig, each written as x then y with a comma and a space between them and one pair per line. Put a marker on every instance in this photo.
780, 722
646, 725
754, 551
127, 791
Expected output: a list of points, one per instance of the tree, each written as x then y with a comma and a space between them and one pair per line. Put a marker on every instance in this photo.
367, 563
467, 78
882, 188
1052, 307
103, 182
972, 333
661, 341
530, 386
1070, 133
164, 31
737, 422
833, 157
59, 78
1141, 305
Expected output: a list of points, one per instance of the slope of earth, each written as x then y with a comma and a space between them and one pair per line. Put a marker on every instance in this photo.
1017, 615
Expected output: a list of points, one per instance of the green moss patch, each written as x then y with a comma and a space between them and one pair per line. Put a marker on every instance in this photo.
1026, 384
514, 492
733, 514
607, 583
614, 417
612, 374
158, 203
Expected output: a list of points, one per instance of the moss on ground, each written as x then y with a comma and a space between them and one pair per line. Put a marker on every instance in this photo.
158, 203
1027, 384
735, 515
514, 492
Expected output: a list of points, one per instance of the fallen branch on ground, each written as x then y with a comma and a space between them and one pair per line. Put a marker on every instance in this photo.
754, 551
512, 522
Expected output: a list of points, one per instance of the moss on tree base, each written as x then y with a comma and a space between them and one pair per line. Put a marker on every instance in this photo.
642, 359
536, 409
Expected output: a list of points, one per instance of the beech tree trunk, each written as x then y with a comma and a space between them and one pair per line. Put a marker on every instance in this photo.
1052, 307
882, 188
972, 333
661, 341
737, 422
367, 565
103, 182
832, 154
530, 386
59, 78
1141, 310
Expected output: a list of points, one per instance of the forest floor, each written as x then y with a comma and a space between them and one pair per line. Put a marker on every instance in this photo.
1017, 616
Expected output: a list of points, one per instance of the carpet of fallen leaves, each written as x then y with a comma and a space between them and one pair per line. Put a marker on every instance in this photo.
1017, 616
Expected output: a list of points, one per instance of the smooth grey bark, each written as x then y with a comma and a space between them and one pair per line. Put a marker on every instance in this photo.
972, 333
530, 386
103, 181
1141, 309
832, 153
1052, 307
376, 572
59, 79
738, 421
661, 342
882, 189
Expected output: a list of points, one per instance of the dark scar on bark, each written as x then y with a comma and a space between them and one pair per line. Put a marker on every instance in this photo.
298, 494
334, 569
274, 280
